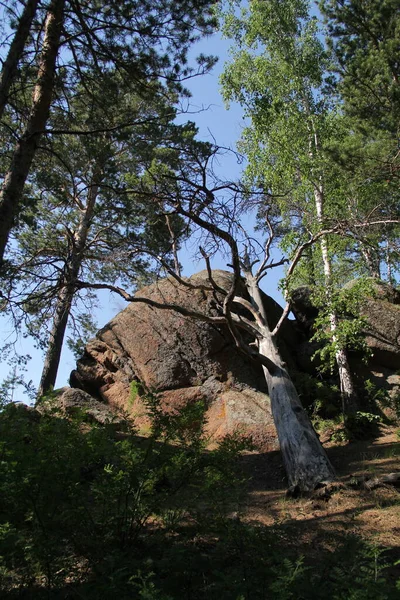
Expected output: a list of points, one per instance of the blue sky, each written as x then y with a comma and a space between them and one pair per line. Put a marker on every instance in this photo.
215, 123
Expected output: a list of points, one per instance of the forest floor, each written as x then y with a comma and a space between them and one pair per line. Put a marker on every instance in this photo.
322, 523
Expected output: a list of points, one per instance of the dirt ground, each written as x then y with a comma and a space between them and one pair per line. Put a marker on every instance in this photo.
374, 515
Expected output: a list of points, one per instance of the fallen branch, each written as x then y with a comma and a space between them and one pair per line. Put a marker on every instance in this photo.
375, 482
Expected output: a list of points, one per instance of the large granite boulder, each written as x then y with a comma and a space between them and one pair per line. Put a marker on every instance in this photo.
181, 360
382, 313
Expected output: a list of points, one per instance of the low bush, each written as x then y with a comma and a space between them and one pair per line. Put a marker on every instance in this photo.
90, 515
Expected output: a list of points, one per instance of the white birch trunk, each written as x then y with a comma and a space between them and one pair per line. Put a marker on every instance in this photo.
347, 389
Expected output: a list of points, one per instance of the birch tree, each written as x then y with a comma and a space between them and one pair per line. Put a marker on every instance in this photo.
277, 74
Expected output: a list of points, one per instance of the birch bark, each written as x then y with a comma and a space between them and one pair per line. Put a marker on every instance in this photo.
347, 389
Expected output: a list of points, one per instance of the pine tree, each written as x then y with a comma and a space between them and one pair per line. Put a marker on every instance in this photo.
364, 38
85, 223
145, 41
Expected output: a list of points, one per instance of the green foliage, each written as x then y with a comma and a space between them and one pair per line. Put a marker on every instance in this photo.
70, 495
135, 388
378, 397
362, 424
15, 379
320, 398
346, 303
83, 515
366, 58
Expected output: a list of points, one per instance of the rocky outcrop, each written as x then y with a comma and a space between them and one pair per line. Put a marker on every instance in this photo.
303, 308
383, 331
180, 360
74, 402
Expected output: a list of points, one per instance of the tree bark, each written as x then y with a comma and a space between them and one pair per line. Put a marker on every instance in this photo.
174, 246
56, 339
16, 49
25, 150
66, 295
347, 389
371, 261
306, 463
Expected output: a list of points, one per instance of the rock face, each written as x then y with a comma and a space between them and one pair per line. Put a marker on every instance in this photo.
383, 330
181, 360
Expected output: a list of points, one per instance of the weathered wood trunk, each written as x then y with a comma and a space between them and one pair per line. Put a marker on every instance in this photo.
25, 150
10, 65
305, 460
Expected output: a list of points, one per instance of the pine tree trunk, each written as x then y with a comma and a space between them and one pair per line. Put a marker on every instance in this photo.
10, 65
25, 150
174, 246
347, 389
305, 460
66, 295
56, 339
389, 274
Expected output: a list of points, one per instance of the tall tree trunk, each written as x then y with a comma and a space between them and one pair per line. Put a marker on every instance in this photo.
305, 460
10, 65
25, 150
66, 295
389, 274
56, 339
371, 261
347, 389
174, 246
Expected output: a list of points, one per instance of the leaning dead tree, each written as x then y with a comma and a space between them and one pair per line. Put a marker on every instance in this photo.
212, 207
306, 463
241, 309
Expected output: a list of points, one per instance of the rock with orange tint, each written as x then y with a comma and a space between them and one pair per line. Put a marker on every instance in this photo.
180, 359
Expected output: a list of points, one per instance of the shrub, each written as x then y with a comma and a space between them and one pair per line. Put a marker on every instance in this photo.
85, 514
